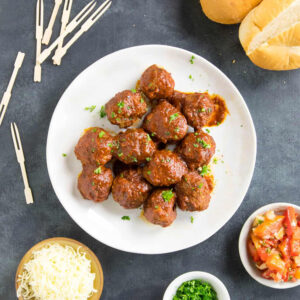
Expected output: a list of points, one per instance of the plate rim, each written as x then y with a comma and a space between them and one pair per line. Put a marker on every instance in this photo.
243, 103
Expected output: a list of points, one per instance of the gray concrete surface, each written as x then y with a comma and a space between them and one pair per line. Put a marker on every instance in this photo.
272, 97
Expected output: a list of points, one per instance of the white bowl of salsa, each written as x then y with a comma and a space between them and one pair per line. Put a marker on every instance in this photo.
214, 282
261, 268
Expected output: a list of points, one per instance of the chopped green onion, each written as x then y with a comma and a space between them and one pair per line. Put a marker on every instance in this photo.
167, 195
102, 112
101, 134
90, 108
98, 170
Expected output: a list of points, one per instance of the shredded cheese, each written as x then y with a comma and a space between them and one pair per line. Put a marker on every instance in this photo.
57, 273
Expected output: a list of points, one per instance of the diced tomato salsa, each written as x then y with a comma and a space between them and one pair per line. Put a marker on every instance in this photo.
274, 245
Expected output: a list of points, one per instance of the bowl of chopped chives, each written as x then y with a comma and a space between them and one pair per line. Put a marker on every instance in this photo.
59, 268
196, 285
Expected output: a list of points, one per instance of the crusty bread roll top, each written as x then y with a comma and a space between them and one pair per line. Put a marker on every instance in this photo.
227, 11
270, 34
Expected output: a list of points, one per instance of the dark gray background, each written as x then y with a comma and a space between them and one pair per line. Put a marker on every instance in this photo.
272, 97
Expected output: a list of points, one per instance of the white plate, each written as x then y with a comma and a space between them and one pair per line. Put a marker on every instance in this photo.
235, 138
244, 255
216, 283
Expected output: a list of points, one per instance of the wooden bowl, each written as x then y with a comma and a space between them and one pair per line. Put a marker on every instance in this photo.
95, 264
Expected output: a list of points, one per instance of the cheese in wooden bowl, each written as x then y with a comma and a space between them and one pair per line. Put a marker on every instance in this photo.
59, 269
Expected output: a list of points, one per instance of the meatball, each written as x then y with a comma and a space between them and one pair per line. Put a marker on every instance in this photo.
134, 146
198, 109
94, 182
193, 192
93, 147
156, 83
166, 123
125, 108
160, 208
165, 168
130, 189
197, 149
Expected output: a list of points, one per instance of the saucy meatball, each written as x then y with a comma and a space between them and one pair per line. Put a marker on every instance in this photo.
160, 207
196, 149
193, 192
94, 182
156, 83
125, 108
166, 123
198, 109
93, 147
165, 168
133, 146
130, 189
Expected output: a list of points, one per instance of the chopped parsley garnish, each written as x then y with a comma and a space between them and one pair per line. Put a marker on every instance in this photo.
153, 134
176, 129
148, 172
200, 185
142, 100
215, 160
101, 134
196, 145
134, 159
167, 195
120, 154
218, 123
113, 115
118, 119
268, 250
173, 117
126, 218
175, 137
203, 143
91, 108
64, 154
195, 289
260, 222
102, 112
133, 90
98, 170
148, 138
94, 130
93, 150
203, 109
192, 219
148, 158
93, 183
192, 59
156, 206
191, 77
207, 130
205, 170
121, 104
196, 133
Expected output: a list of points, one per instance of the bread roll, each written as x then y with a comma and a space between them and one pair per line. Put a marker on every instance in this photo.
227, 11
270, 34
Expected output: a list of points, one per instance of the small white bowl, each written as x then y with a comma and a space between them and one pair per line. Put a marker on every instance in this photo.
218, 286
245, 257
